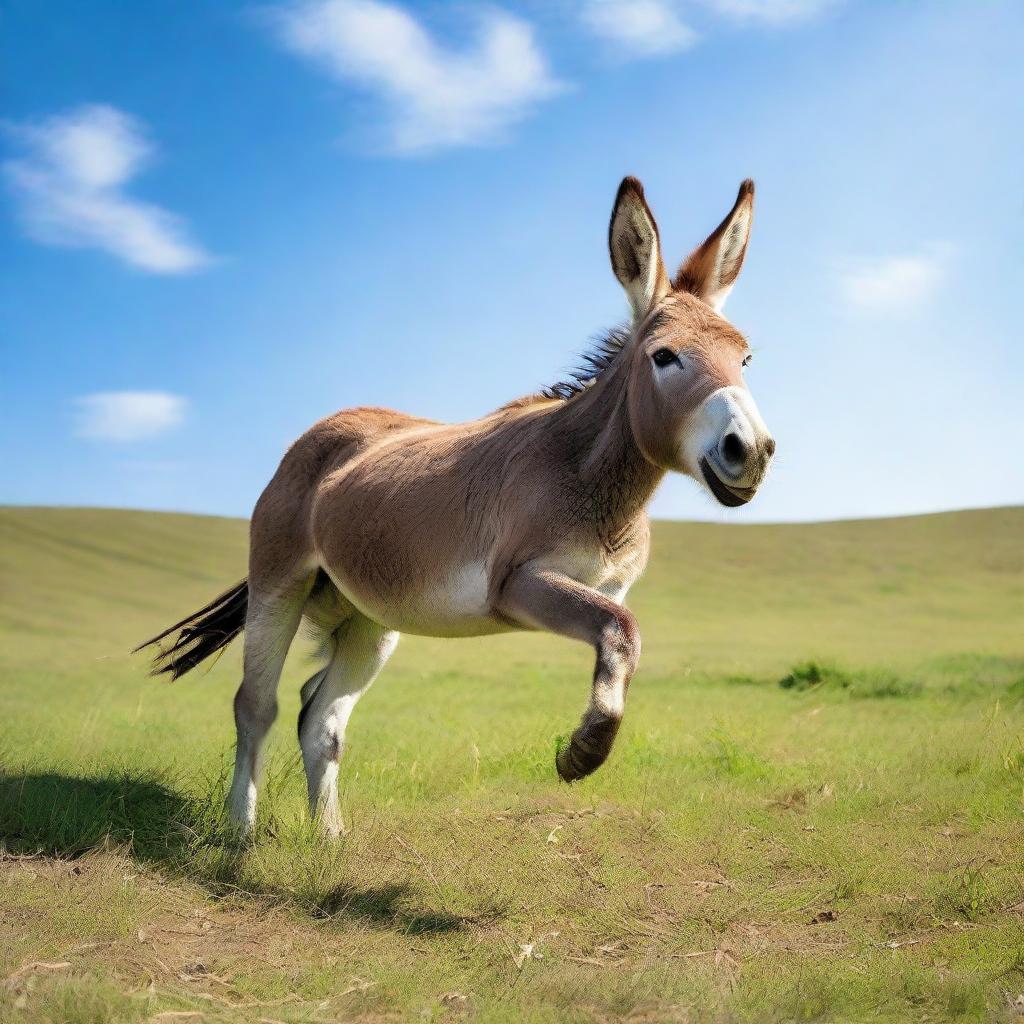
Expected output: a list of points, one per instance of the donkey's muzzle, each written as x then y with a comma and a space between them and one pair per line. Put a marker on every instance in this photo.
731, 497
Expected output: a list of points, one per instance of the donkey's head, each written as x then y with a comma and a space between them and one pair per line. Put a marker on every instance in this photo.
689, 405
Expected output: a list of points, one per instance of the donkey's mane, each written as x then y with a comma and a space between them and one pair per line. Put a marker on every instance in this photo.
603, 352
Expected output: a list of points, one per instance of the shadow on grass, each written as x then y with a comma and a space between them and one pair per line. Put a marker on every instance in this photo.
68, 816
381, 905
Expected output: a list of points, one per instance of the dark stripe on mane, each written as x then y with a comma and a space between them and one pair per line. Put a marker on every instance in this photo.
593, 363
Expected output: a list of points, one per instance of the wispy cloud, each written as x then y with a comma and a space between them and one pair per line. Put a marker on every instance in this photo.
128, 415
897, 283
68, 182
433, 96
654, 28
775, 12
642, 28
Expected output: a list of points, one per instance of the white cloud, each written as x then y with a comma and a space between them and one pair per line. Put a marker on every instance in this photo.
898, 283
775, 12
128, 415
433, 96
651, 28
643, 28
69, 180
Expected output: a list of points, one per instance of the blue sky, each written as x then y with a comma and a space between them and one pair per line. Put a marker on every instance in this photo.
224, 221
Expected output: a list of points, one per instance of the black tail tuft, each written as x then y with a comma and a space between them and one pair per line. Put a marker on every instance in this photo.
202, 633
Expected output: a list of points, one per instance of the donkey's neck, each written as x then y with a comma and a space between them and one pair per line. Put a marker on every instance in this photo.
603, 462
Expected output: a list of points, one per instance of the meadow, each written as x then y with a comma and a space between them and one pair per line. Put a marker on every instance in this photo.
813, 812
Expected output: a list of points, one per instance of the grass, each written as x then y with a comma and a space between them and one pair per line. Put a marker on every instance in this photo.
812, 675
844, 846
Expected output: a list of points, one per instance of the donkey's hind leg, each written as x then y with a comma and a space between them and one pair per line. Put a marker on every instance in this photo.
269, 630
359, 650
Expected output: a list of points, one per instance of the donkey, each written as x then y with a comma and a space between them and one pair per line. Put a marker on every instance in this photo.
378, 523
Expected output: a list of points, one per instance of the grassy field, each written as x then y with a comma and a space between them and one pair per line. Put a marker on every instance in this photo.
814, 811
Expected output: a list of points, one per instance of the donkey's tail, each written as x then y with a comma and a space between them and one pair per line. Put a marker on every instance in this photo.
202, 633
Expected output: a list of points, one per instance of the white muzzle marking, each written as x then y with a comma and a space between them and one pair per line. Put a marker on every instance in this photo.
728, 413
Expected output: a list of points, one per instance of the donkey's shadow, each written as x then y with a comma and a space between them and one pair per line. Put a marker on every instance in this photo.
68, 816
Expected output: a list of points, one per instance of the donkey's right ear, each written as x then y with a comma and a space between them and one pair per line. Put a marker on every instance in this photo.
636, 249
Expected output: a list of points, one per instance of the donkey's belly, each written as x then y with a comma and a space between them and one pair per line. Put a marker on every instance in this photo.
452, 605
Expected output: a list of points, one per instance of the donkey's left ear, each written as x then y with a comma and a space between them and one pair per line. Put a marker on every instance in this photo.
636, 249
710, 271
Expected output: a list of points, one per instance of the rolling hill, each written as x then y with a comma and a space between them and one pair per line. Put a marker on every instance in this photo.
94, 582
844, 846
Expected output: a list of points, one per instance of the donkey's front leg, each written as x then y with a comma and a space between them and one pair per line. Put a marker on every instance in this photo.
552, 601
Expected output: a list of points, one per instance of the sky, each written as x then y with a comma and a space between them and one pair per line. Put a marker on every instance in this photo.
221, 222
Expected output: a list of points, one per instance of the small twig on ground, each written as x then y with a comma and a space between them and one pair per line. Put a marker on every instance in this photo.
36, 965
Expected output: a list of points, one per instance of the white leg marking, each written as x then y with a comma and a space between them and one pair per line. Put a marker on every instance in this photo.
609, 695
269, 629
361, 651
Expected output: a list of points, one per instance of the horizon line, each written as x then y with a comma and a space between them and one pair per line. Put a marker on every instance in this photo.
687, 522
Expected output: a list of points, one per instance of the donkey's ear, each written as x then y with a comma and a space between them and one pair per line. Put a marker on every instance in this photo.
710, 271
636, 250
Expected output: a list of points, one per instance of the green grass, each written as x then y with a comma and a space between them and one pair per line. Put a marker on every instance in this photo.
813, 812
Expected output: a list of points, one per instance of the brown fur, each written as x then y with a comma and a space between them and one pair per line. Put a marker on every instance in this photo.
695, 273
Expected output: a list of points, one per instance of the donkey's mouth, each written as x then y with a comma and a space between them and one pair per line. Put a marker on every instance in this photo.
731, 497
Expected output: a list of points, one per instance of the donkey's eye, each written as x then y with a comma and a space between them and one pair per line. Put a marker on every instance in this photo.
664, 356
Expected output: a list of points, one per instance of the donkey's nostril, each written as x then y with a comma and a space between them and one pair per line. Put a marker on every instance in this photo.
769, 446
733, 449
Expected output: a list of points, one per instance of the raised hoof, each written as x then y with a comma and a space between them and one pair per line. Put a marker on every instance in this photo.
588, 748
569, 767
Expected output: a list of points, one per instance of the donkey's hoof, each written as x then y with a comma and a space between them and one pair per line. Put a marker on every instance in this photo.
568, 769
239, 833
332, 832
